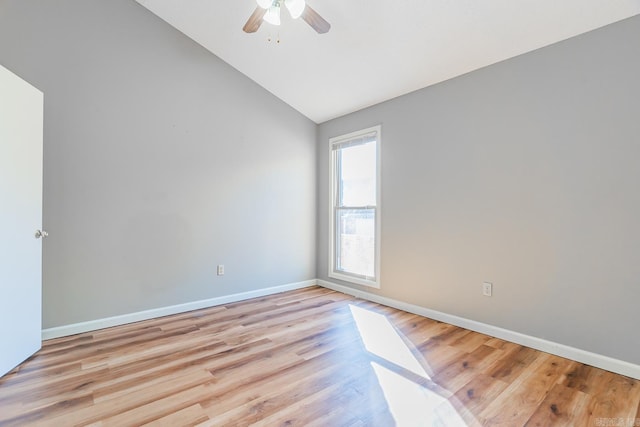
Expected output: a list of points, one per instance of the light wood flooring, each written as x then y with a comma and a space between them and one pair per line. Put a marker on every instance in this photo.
311, 357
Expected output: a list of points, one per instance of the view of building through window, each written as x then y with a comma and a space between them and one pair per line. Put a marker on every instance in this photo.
356, 213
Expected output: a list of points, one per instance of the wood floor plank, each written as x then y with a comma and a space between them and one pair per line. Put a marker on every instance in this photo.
298, 358
119, 383
585, 378
164, 407
616, 398
312, 406
525, 394
275, 400
234, 393
517, 359
187, 417
466, 366
192, 382
470, 343
438, 357
563, 406
360, 402
472, 398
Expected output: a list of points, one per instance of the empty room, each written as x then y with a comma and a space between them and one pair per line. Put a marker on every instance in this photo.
319, 213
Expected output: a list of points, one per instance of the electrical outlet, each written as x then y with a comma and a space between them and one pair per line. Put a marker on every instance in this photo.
487, 289
220, 270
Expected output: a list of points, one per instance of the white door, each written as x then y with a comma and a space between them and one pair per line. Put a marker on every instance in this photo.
21, 121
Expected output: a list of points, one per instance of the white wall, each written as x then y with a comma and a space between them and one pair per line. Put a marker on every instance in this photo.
161, 161
524, 174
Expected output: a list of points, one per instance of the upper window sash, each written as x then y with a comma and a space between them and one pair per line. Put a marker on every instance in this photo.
346, 142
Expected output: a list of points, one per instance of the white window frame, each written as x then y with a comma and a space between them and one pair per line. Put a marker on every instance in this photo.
333, 273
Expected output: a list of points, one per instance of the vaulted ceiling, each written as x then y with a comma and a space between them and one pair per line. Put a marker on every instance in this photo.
380, 49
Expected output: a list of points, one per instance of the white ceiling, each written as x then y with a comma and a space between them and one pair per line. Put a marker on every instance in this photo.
380, 49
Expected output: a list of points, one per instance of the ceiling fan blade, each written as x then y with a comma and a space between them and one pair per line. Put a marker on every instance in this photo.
316, 21
255, 20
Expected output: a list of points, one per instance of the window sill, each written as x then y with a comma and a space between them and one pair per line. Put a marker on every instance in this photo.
354, 280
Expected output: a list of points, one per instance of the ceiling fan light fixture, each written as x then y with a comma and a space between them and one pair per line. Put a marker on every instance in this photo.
269, 11
296, 7
265, 4
273, 15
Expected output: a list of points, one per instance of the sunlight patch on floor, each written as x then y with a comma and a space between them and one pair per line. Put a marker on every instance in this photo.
382, 339
413, 405
410, 404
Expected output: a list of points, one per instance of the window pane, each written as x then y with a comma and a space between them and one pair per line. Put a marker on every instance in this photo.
357, 175
355, 241
354, 248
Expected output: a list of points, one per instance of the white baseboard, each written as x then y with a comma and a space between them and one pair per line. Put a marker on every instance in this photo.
582, 356
92, 325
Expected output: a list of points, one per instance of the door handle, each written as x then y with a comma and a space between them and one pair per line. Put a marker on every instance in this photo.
41, 233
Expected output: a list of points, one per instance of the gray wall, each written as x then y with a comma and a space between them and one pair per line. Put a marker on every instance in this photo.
161, 161
524, 174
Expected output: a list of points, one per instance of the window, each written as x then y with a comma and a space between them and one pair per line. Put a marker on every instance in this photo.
354, 243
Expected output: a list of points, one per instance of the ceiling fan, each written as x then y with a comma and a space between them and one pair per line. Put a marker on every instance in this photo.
269, 11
